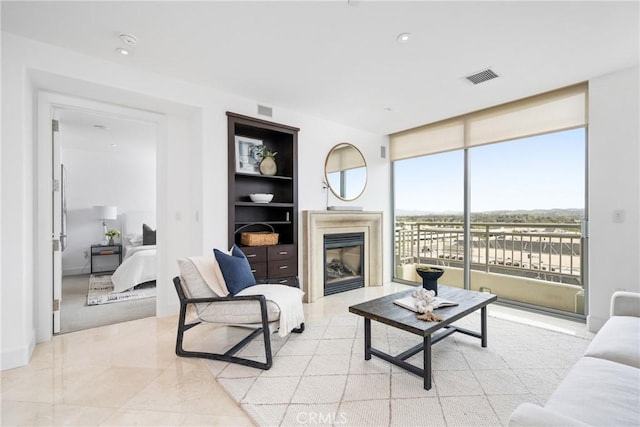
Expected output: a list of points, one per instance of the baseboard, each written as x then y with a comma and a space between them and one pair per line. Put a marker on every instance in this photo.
18, 356
75, 271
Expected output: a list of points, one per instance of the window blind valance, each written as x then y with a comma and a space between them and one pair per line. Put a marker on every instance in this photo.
554, 111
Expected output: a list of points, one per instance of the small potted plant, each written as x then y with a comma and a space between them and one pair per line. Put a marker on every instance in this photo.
268, 163
111, 234
430, 276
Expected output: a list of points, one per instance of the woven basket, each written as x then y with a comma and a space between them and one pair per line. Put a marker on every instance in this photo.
259, 238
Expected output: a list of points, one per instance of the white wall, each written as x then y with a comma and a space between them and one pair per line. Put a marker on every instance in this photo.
125, 179
614, 184
191, 171
18, 338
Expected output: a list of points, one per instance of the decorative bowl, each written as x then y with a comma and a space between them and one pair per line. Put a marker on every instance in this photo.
261, 197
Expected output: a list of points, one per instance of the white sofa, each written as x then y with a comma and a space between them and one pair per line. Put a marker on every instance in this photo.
603, 387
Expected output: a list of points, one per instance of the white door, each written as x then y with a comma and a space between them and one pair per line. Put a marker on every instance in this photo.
58, 230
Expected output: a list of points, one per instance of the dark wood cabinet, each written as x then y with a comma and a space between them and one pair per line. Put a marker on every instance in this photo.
277, 263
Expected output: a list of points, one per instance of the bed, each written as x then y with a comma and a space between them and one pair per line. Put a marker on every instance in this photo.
139, 264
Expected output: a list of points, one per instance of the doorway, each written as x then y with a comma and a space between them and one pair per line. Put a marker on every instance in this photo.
107, 163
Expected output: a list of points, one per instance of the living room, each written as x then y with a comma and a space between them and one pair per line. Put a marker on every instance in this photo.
192, 160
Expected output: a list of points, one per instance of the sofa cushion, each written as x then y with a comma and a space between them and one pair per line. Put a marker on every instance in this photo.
618, 341
530, 415
600, 393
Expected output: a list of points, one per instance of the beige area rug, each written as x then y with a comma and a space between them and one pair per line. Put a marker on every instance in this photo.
100, 288
320, 377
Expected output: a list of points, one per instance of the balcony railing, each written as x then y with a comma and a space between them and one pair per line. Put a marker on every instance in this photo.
550, 252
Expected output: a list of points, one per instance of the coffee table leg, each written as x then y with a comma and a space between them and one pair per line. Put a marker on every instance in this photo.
367, 339
427, 362
483, 326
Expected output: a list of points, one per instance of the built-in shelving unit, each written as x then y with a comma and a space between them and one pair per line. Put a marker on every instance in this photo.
282, 212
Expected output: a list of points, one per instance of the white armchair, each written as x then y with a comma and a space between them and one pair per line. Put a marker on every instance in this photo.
252, 309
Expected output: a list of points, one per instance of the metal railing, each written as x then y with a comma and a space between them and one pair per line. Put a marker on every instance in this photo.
550, 252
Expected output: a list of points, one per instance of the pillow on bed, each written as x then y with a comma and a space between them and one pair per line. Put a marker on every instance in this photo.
135, 239
235, 269
148, 235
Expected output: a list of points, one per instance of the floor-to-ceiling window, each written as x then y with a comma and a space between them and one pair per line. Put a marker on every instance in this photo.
518, 234
527, 207
429, 221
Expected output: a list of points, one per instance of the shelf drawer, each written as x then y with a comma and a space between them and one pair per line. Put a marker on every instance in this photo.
282, 268
289, 281
280, 252
255, 253
259, 269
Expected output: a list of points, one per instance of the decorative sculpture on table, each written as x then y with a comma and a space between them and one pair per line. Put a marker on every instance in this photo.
430, 276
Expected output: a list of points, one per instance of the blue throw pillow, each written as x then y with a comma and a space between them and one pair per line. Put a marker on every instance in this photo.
235, 269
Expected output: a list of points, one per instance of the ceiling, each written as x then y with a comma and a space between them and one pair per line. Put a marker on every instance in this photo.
96, 131
340, 60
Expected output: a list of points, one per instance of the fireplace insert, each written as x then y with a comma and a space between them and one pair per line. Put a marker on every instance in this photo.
343, 261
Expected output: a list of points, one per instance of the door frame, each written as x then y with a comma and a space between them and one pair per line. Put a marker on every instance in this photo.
47, 104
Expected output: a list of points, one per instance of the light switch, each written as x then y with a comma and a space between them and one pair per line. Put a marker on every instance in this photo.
618, 216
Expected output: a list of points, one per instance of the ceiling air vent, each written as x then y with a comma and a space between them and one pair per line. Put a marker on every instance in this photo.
482, 76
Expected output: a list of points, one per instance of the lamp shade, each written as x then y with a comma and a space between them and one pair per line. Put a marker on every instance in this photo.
106, 212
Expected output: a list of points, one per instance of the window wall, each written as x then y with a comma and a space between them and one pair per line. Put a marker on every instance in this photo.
501, 216
527, 204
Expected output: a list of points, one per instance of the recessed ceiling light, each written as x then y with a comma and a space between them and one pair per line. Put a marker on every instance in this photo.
404, 37
114, 145
122, 51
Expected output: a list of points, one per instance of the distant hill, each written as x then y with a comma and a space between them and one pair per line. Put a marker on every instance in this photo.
569, 215
550, 212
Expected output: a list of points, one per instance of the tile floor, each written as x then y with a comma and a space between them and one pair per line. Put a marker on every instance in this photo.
128, 374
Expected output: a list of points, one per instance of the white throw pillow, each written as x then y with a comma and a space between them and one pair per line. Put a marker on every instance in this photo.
135, 239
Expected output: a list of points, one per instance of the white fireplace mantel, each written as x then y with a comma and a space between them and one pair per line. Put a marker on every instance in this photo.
315, 224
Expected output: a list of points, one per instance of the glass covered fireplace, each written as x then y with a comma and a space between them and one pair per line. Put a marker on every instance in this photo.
343, 261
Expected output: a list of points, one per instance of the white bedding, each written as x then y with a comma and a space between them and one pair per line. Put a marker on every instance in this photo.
139, 266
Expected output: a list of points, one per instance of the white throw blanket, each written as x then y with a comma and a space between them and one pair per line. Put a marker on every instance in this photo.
209, 269
287, 298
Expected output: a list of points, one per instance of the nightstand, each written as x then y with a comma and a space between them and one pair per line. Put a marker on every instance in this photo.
105, 259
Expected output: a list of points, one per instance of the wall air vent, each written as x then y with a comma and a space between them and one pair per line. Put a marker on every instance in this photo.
265, 111
482, 76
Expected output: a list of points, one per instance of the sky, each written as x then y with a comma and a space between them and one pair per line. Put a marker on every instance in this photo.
541, 172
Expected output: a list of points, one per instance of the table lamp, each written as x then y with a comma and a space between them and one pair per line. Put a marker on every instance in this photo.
106, 213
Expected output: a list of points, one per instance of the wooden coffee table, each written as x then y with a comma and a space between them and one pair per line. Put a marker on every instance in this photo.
383, 310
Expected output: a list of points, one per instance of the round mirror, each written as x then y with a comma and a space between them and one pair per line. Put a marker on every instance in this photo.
345, 171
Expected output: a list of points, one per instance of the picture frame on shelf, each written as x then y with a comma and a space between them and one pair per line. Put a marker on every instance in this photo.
248, 155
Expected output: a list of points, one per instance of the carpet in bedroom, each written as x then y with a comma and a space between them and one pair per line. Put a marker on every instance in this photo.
76, 315
101, 288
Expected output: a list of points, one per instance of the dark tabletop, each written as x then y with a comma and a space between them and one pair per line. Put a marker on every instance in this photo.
385, 311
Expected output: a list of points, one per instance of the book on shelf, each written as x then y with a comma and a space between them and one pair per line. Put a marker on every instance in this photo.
409, 302
107, 252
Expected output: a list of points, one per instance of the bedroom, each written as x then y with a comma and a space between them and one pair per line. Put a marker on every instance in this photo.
109, 183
